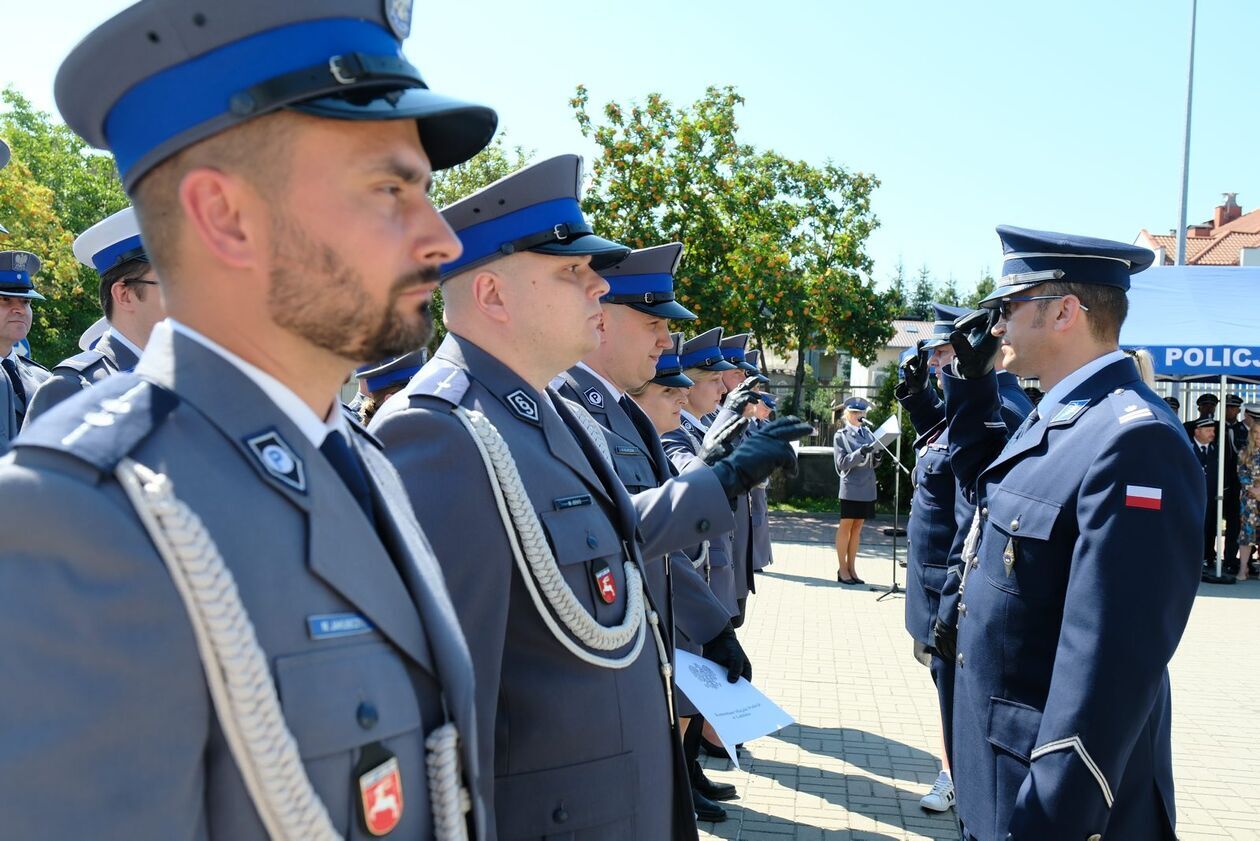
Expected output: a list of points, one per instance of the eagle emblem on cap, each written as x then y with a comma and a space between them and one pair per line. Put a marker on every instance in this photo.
19, 262
398, 14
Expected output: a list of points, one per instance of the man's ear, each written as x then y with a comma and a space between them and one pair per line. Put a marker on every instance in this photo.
221, 213
487, 290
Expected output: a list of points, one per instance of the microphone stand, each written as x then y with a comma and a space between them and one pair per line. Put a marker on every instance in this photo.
896, 589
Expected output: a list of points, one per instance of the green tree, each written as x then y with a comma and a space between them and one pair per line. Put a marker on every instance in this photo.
898, 290
55, 188
983, 289
923, 296
949, 293
772, 245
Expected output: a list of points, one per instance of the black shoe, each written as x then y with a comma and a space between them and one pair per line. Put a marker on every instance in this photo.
857, 580
710, 749
845, 581
709, 789
706, 809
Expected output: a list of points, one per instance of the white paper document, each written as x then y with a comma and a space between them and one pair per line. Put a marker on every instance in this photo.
739, 712
889, 431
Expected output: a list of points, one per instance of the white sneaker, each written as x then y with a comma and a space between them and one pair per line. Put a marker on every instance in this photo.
941, 797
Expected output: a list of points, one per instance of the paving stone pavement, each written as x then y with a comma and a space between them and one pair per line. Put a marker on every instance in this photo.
866, 740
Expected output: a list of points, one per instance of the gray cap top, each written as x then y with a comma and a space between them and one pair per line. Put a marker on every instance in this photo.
164, 74
705, 351
16, 268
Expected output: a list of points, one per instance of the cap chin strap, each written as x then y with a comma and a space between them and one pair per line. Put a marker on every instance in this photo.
351, 74
638, 298
562, 232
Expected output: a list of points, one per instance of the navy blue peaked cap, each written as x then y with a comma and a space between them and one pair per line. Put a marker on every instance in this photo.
164, 74
753, 358
16, 268
645, 281
533, 209
705, 351
398, 369
1032, 257
943, 325
669, 369
734, 351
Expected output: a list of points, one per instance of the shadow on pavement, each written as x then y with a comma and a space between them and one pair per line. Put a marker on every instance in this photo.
754, 825
868, 751
1247, 590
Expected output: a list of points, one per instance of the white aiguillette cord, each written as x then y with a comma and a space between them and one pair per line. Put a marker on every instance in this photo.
240, 682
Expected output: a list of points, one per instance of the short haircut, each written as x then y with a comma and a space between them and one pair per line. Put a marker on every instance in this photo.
1108, 306
126, 272
258, 150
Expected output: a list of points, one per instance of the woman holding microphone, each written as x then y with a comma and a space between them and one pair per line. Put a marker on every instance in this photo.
856, 458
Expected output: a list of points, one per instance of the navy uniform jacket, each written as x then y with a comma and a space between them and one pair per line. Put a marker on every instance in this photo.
32, 375
1087, 568
683, 446
81, 371
103, 680
676, 511
578, 751
742, 552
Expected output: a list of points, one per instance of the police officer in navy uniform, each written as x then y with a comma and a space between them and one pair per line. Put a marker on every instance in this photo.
1062, 711
570, 645
1206, 404
129, 298
17, 291
278, 157
383, 380
1207, 450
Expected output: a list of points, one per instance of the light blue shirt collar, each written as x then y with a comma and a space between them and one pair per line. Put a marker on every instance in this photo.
1051, 403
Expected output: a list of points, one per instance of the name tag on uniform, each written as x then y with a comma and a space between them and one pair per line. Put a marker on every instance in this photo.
327, 626
571, 501
624, 450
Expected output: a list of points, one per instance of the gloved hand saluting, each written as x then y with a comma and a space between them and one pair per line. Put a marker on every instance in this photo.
915, 369
720, 441
742, 396
725, 650
760, 454
975, 346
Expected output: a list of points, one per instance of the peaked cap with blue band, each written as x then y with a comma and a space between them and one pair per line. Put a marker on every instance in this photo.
111, 242
164, 74
705, 351
16, 268
399, 369
753, 358
533, 209
645, 281
945, 316
1030, 258
669, 367
733, 351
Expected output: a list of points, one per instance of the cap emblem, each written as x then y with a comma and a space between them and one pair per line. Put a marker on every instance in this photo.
398, 14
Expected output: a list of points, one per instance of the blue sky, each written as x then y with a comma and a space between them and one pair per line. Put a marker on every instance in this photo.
1064, 115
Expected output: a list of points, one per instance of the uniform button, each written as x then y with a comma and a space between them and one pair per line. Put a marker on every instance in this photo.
1095, 837
703, 526
984, 512
962, 609
1015, 524
560, 815
367, 715
960, 659
591, 540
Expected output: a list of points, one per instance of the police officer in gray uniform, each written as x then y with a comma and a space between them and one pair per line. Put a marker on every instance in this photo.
573, 673
216, 626
1062, 712
17, 291
758, 504
131, 303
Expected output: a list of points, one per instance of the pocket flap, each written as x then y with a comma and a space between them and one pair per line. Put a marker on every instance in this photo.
1017, 514
321, 694
580, 534
579, 796
1013, 727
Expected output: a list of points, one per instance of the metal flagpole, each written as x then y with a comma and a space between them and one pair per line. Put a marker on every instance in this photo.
1185, 152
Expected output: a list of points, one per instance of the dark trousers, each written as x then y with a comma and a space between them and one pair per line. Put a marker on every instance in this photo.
1233, 502
943, 677
1209, 531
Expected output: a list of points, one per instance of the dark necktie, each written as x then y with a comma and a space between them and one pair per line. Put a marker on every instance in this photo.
337, 450
647, 431
10, 368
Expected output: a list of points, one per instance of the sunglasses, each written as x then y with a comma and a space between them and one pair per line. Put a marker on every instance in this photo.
1005, 309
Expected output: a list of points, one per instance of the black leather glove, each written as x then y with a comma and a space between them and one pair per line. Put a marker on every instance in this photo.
866, 449
742, 396
975, 346
725, 650
945, 640
720, 443
760, 454
915, 369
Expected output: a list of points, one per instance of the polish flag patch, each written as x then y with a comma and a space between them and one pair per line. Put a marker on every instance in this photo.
1140, 496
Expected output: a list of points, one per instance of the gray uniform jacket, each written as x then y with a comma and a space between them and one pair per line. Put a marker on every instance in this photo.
682, 445
742, 557
8, 414
81, 371
676, 512
110, 729
856, 469
32, 375
579, 752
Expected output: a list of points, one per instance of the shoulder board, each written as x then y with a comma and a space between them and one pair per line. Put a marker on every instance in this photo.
26, 360
1130, 407
103, 424
441, 379
80, 362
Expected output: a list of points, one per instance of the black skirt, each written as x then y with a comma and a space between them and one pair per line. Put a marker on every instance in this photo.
852, 509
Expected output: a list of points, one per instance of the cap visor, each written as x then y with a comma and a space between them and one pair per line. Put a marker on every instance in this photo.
995, 297
761, 378
604, 252
749, 367
934, 343
32, 295
451, 130
674, 381
666, 309
3, 229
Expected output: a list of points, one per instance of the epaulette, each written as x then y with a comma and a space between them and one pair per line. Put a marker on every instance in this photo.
1129, 406
26, 360
80, 362
440, 379
103, 424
